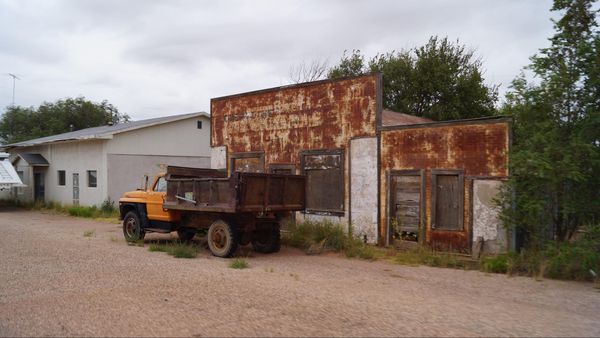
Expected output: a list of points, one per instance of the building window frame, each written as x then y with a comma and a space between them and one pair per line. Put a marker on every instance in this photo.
62, 178
251, 154
340, 181
92, 178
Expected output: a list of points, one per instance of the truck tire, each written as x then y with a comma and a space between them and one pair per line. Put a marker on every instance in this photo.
222, 239
267, 240
186, 235
132, 227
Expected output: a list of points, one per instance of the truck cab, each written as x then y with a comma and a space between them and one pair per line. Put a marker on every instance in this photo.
142, 210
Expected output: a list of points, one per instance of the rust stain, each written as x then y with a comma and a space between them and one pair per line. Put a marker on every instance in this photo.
479, 149
283, 121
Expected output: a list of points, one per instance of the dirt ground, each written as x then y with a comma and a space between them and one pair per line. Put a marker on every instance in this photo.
54, 281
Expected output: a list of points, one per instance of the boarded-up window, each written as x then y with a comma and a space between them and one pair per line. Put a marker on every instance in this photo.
253, 162
324, 172
447, 195
405, 193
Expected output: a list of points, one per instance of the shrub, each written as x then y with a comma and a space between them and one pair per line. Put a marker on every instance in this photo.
574, 260
498, 264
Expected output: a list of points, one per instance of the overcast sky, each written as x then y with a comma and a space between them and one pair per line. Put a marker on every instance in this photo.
157, 58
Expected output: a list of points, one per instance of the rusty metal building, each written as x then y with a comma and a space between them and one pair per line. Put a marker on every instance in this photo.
368, 168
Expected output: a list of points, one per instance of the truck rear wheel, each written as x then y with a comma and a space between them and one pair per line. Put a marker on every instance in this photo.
267, 240
222, 239
186, 235
132, 227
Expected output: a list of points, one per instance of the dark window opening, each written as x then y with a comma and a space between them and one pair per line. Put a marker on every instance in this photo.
199, 125
62, 177
324, 172
92, 178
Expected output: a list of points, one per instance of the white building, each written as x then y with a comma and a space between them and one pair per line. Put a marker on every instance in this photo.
91, 165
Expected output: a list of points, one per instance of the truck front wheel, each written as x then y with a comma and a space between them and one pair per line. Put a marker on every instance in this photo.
222, 239
267, 240
132, 228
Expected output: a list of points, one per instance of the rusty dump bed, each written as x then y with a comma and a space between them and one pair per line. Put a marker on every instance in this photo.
209, 190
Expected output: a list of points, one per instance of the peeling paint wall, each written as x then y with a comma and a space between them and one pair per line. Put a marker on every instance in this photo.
486, 217
363, 184
218, 157
477, 147
282, 122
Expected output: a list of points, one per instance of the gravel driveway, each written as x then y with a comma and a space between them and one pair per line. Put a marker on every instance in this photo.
56, 282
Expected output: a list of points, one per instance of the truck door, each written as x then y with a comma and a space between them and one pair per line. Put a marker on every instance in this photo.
156, 197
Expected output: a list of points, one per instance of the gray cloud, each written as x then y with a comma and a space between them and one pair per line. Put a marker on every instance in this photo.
153, 58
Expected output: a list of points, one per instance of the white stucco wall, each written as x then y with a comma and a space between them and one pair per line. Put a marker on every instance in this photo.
72, 157
125, 172
179, 138
363, 185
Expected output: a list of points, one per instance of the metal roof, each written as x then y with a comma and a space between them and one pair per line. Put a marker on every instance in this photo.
8, 176
104, 132
392, 118
34, 159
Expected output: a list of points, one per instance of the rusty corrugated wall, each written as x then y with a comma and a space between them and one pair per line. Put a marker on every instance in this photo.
281, 122
478, 148
284, 120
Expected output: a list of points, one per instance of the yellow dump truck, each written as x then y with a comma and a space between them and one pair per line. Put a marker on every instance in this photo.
240, 209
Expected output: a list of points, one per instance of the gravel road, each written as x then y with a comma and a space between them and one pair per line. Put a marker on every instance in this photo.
56, 282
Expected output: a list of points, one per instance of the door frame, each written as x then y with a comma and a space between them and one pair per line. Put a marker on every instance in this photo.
407, 172
78, 186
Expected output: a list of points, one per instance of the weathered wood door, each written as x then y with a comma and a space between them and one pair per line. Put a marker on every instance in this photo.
405, 191
448, 231
447, 193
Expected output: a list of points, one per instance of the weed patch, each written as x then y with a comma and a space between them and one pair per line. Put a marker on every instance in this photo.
316, 237
238, 263
105, 212
89, 233
177, 250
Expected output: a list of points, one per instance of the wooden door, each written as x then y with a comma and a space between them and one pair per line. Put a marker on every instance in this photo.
405, 190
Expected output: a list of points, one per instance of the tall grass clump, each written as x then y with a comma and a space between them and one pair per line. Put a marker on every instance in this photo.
238, 263
177, 249
316, 237
106, 209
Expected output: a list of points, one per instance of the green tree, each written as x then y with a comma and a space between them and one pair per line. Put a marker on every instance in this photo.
20, 123
441, 80
555, 160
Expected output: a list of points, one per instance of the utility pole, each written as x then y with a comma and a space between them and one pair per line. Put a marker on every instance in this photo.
14, 77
